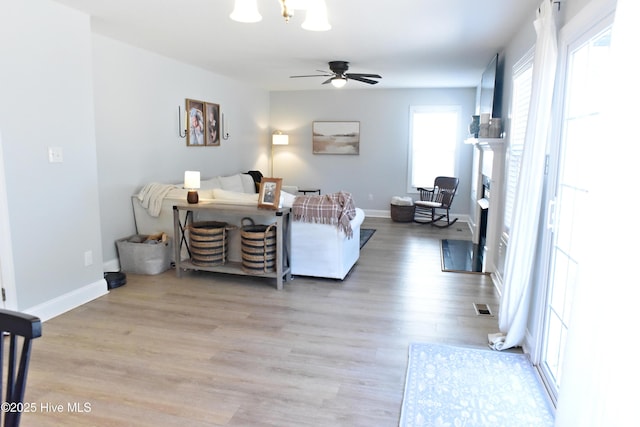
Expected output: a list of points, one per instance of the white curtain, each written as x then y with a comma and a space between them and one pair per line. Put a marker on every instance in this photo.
516, 298
601, 368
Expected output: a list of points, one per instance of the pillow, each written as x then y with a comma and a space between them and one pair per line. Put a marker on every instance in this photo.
286, 199
235, 196
232, 183
209, 184
248, 184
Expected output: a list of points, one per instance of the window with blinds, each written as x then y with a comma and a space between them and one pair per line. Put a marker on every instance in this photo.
432, 144
522, 75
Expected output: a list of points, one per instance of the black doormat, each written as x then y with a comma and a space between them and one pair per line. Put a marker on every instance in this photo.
461, 256
365, 235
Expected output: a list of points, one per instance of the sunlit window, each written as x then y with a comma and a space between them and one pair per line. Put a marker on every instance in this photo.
522, 78
433, 140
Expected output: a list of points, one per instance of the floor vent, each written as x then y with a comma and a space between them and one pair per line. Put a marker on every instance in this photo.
482, 309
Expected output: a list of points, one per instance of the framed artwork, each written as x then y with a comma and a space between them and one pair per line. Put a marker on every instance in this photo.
212, 124
269, 196
336, 137
195, 123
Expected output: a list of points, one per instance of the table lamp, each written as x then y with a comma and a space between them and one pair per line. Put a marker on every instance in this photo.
192, 183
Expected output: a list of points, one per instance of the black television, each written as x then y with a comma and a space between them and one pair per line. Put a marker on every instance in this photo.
489, 93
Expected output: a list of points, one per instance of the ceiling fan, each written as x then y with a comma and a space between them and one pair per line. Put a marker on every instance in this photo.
338, 76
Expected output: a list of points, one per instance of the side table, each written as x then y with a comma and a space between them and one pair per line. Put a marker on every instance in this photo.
309, 190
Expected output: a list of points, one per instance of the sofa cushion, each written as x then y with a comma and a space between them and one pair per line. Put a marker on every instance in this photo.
235, 197
210, 184
286, 199
248, 184
232, 183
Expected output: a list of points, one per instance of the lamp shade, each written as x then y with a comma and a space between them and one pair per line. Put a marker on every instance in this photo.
246, 11
316, 18
338, 82
191, 180
280, 138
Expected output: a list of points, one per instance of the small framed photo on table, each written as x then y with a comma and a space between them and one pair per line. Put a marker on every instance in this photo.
269, 196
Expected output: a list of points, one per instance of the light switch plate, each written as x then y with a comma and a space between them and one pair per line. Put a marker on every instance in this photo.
55, 154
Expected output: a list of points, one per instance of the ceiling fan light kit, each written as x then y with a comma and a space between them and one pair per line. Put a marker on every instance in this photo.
316, 12
338, 76
338, 82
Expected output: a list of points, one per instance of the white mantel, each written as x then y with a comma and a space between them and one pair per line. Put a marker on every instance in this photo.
488, 159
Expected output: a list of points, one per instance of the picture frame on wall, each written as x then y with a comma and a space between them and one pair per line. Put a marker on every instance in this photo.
269, 196
336, 138
195, 123
212, 124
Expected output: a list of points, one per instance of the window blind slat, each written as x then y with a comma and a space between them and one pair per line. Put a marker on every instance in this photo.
522, 81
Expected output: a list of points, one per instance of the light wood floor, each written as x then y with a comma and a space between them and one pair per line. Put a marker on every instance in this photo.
219, 350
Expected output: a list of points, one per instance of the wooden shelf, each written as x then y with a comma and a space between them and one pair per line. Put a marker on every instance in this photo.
229, 267
283, 240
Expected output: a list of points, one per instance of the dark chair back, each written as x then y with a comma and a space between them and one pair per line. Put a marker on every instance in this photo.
438, 198
16, 328
445, 189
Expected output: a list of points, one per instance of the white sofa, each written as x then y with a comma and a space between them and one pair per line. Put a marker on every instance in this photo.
318, 250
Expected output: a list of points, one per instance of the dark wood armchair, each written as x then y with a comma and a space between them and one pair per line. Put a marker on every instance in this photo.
435, 203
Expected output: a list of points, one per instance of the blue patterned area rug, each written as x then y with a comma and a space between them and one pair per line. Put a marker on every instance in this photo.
458, 386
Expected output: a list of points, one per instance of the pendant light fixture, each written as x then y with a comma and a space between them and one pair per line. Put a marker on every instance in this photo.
246, 11
315, 20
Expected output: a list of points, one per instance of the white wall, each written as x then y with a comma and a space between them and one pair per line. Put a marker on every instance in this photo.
379, 172
137, 94
46, 101
51, 69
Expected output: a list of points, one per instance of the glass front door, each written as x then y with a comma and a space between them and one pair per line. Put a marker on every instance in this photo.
584, 96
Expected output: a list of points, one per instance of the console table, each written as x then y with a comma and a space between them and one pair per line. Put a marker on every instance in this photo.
282, 218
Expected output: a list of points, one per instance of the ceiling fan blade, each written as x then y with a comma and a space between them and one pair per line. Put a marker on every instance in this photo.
312, 75
362, 79
375, 76
327, 81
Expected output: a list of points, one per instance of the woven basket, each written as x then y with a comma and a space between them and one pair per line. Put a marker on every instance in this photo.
208, 243
258, 247
402, 213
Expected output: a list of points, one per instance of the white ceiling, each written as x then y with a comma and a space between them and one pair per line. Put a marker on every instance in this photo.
410, 43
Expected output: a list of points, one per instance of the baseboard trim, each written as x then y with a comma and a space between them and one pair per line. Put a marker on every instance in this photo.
375, 213
69, 301
497, 283
379, 213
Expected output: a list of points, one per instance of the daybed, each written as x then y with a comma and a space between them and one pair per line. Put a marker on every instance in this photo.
317, 249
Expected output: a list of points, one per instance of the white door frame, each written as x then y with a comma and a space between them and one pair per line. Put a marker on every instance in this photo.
7, 273
592, 19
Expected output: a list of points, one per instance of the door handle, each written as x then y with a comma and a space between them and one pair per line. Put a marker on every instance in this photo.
551, 215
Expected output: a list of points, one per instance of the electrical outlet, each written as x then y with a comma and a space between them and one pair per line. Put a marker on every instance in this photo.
88, 258
370, 196
55, 155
